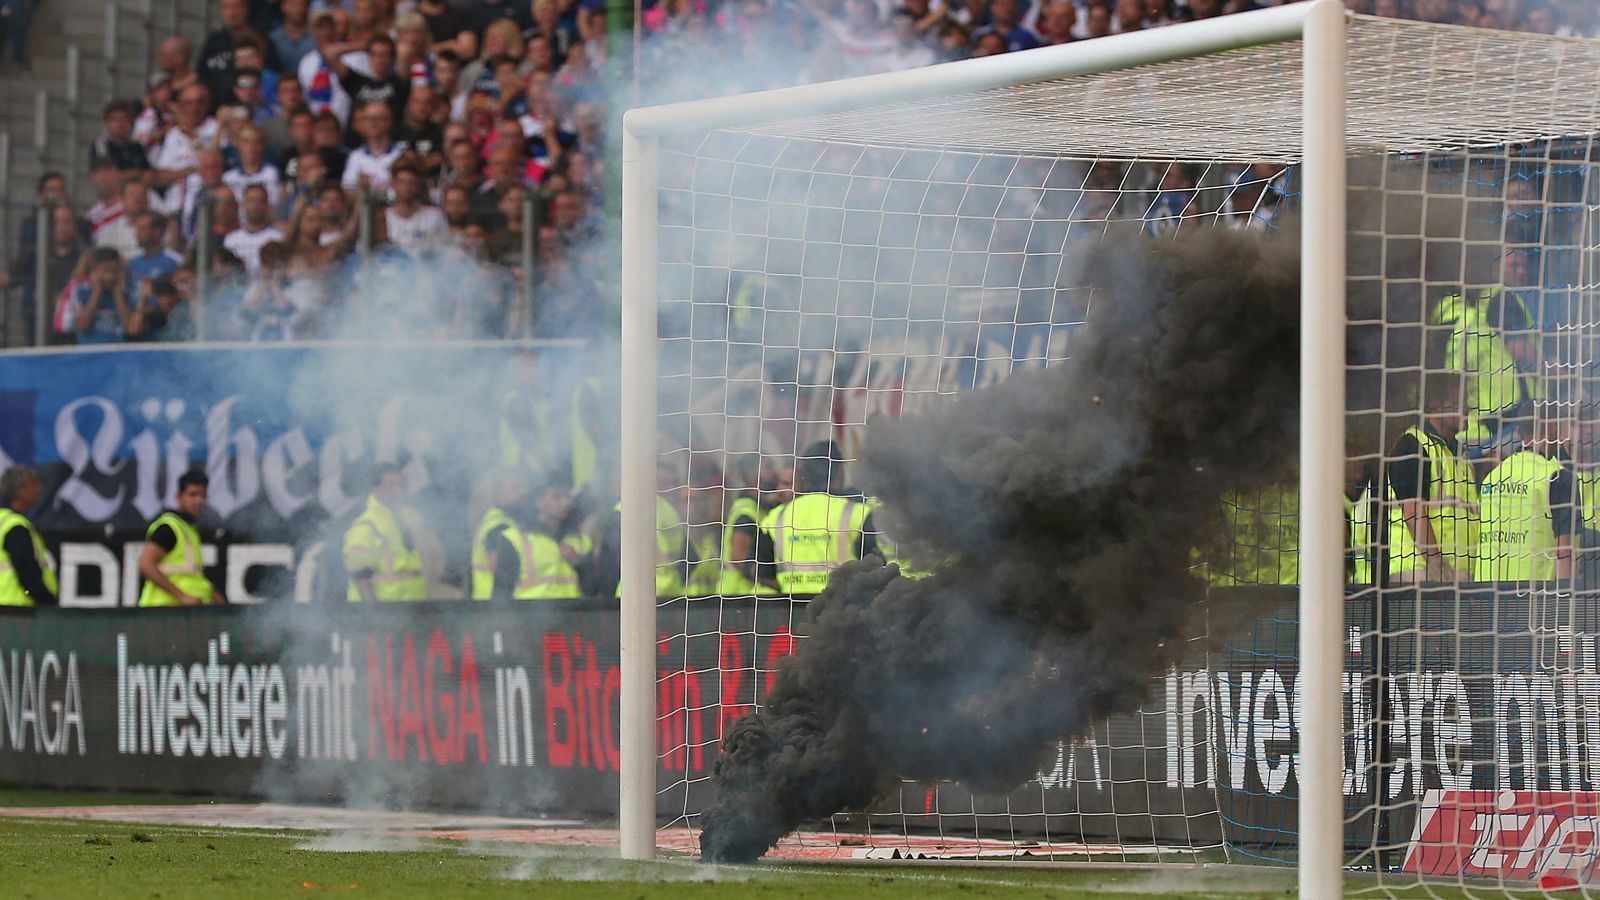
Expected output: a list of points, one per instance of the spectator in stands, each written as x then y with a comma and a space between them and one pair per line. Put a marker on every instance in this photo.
106, 179
163, 314
1157, 13
329, 139
98, 306
247, 93
322, 89
205, 181
337, 227
122, 233
215, 62
14, 18
172, 63
482, 15
255, 229
1127, 16
409, 221
1004, 21
369, 164
419, 133
455, 202
253, 167
445, 23
268, 308
909, 50
152, 260
66, 246
1204, 9
291, 37
310, 171
447, 84
116, 142
275, 129
1097, 22
382, 85
178, 158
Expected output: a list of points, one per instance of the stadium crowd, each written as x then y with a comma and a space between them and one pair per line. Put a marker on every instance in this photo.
375, 169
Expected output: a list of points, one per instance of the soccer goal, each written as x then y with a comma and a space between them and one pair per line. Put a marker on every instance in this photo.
800, 263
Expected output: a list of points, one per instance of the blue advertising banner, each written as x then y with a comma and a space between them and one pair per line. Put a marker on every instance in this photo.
286, 434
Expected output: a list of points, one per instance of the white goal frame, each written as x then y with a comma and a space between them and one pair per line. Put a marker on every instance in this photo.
1321, 26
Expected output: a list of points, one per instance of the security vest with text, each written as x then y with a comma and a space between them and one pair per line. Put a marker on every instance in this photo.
376, 541
181, 565
812, 535
1518, 540
11, 592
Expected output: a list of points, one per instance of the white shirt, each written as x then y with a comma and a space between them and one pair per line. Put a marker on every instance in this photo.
118, 234
411, 233
267, 177
247, 246
375, 166
180, 151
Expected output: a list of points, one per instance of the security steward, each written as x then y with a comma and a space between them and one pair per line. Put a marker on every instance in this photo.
1530, 507
724, 521
173, 571
1491, 342
510, 493
1433, 508
1265, 530
822, 528
27, 575
380, 553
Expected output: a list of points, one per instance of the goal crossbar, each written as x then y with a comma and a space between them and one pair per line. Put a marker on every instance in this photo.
1321, 27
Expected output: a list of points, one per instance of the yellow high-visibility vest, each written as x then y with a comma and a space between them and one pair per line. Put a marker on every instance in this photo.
672, 554
542, 572
812, 535
1362, 535
1518, 540
1452, 508
375, 541
11, 592
181, 565
482, 572
1477, 347
1266, 533
717, 572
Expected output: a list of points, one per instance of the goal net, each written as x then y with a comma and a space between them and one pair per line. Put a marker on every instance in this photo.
817, 262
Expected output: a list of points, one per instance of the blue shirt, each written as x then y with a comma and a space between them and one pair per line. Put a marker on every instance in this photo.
106, 328
290, 51
152, 266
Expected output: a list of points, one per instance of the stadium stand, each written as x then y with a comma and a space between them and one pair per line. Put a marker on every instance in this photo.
496, 113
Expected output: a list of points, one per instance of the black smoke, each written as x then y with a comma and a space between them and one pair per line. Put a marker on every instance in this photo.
1061, 512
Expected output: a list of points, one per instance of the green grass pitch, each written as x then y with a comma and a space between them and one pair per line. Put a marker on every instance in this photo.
53, 858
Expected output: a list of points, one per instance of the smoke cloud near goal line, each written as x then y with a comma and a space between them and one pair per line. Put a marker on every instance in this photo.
1061, 512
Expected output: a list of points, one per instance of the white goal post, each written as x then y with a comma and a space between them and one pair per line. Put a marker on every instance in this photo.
757, 239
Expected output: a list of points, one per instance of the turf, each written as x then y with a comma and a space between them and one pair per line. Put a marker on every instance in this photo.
55, 858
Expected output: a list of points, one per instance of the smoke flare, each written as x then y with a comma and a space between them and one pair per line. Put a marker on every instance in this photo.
1061, 512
